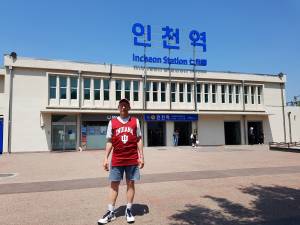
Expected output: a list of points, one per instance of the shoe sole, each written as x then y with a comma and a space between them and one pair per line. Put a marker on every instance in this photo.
107, 221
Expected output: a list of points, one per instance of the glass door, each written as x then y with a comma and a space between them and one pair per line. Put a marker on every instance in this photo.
70, 137
64, 137
58, 137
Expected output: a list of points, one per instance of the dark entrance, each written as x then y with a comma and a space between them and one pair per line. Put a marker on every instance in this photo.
156, 133
232, 133
185, 130
255, 132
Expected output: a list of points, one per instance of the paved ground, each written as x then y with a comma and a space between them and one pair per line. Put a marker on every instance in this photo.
235, 185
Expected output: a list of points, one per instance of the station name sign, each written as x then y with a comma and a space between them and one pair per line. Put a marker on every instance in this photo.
170, 117
170, 40
169, 60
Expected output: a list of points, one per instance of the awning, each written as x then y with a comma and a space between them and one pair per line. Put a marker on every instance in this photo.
107, 111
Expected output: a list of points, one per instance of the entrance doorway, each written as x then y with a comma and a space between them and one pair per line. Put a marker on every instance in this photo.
64, 132
64, 137
156, 133
232, 133
185, 130
255, 132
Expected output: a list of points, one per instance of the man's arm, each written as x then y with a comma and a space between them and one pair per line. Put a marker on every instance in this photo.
108, 149
140, 145
141, 153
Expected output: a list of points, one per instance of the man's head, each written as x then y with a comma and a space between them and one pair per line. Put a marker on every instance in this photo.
124, 107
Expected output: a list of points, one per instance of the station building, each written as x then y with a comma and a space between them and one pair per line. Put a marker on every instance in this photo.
49, 105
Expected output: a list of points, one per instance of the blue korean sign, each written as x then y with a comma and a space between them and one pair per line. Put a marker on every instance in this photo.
170, 117
170, 39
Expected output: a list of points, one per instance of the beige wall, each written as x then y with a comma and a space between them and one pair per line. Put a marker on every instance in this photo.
29, 97
211, 130
293, 124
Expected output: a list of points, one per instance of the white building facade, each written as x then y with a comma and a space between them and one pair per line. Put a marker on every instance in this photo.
52, 105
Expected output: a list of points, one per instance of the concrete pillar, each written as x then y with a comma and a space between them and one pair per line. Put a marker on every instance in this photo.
145, 134
78, 137
169, 133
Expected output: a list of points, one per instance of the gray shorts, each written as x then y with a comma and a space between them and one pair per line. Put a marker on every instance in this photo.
116, 173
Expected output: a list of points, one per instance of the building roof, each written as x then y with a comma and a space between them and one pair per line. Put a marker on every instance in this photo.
83, 67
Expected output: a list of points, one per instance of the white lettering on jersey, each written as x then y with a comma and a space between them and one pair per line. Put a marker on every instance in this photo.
124, 130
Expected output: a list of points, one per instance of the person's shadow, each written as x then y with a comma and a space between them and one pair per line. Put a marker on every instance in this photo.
137, 210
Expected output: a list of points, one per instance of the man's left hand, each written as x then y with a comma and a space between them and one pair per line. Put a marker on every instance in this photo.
141, 163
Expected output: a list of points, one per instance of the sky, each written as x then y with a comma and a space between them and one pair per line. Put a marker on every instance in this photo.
241, 36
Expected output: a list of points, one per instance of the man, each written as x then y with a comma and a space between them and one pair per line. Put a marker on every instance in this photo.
175, 137
124, 138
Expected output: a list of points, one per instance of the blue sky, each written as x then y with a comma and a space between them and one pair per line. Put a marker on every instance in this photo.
244, 36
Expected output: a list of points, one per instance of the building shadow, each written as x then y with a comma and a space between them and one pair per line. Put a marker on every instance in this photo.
272, 205
137, 210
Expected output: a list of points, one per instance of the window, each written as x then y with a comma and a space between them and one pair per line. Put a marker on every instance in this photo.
198, 92
181, 90
106, 90
237, 94
246, 94
230, 93
173, 92
163, 92
148, 91
87, 86
206, 92
154, 91
189, 92
74, 86
252, 94
63, 87
96, 89
127, 89
52, 81
135, 90
223, 93
213, 93
118, 89
259, 88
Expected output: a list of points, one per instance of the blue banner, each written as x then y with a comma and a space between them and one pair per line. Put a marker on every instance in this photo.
170, 117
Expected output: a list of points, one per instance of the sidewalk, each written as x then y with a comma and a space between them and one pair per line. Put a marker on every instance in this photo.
182, 185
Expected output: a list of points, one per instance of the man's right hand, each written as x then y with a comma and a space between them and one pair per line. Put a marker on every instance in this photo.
105, 165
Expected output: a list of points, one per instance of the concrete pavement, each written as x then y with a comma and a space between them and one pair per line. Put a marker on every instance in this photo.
183, 185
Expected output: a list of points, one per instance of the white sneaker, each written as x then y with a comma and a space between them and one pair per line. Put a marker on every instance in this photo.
108, 216
129, 216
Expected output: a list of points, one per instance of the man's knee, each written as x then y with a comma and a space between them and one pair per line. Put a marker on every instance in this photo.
130, 183
115, 185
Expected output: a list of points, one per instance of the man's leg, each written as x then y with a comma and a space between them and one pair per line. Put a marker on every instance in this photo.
130, 191
113, 193
130, 196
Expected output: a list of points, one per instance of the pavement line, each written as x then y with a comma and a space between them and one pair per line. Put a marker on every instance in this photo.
61, 185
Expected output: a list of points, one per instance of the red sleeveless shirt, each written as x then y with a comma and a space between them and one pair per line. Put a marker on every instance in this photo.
124, 142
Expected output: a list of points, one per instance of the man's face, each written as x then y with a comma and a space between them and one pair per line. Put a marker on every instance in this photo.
124, 107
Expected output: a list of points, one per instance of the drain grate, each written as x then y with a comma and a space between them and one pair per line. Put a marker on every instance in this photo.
7, 174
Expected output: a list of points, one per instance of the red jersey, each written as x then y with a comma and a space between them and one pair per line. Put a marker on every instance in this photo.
124, 141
